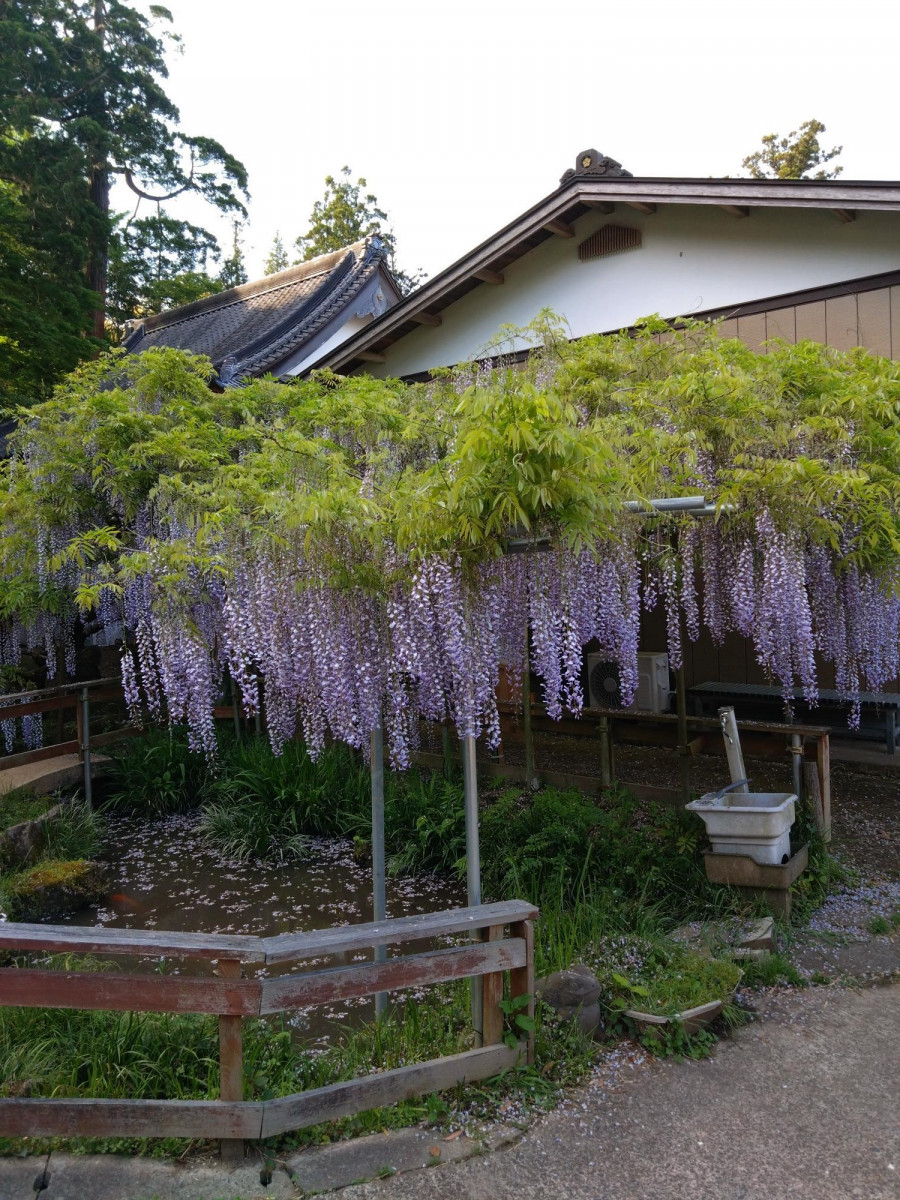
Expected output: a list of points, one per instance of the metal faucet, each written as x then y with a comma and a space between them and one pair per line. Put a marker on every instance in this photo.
731, 787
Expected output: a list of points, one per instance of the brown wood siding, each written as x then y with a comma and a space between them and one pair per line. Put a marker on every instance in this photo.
782, 323
895, 322
870, 319
874, 310
752, 330
811, 321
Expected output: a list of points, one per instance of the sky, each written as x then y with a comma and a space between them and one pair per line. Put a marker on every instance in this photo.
462, 115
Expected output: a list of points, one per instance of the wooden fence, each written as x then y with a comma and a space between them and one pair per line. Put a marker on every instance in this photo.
232, 997
60, 699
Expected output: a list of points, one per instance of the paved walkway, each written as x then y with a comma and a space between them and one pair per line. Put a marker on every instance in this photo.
48, 774
804, 1103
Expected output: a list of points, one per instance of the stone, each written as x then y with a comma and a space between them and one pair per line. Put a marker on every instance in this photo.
574, 995
53, 889
570, 989
586, 1016
759, 936
22, 844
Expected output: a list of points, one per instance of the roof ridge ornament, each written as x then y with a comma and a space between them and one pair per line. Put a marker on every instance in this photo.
592, 162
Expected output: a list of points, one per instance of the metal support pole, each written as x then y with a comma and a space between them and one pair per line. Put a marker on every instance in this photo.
258, 714
733, 747
379, 890
684, 753
86, 746
235, 708
473, 866
797, 765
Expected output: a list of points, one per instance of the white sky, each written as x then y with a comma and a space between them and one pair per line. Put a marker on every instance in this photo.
462, 114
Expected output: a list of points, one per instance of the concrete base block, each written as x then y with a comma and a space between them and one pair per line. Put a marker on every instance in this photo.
324, 1168
771, 882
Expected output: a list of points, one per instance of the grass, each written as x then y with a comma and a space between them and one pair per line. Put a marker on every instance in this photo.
612, 880
146, 1056
72, 838
22, 805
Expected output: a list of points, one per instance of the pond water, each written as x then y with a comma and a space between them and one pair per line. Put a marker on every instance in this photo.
165, 875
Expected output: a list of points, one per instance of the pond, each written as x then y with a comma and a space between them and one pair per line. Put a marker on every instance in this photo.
165, 875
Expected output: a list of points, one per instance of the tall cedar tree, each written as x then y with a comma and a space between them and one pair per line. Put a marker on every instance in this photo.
155, 263
278, 256
794, 156
81, 101
345, 215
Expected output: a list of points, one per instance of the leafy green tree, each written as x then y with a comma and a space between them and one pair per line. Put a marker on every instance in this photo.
347, 214
157, 263
278, 257
81, 103
234, 270
793, 157
46, 303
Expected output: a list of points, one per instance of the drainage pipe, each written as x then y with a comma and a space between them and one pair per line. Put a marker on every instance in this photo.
733, 748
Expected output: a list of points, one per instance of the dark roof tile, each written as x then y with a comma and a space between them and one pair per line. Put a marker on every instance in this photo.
258, 324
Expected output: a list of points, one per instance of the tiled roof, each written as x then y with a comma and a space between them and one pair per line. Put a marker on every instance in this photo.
258, 324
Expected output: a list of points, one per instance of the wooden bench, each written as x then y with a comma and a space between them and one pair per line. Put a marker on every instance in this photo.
232, 997
884, 704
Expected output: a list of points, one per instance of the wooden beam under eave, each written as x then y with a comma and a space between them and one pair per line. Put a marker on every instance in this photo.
735, 210
643, 206
371, 356
427, 318
847, 215
604, 206
487, 276
560, 228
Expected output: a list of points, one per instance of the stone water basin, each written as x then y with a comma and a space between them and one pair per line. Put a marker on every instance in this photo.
757, 824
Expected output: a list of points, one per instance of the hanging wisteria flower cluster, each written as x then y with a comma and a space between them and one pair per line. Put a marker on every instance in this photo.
364, 574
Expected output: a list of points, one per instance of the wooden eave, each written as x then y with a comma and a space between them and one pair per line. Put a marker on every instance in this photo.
584, 194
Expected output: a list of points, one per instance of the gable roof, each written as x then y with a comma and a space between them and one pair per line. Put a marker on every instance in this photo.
249, 329
597, 183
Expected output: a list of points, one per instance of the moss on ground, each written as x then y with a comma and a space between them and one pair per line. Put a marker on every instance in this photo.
52, 888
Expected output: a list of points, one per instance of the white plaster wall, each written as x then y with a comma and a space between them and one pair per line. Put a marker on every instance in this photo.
692, 258
353, 325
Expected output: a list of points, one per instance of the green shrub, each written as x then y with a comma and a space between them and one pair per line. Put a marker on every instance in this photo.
156, 774
75, 833
22, 804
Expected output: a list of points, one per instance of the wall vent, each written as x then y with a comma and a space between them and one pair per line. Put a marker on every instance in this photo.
611, 239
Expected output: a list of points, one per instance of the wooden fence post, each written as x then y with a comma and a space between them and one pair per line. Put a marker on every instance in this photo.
521, 979
231, 1064
823, 762
492, 994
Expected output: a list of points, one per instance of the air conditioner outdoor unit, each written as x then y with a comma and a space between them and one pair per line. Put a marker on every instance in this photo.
653, 683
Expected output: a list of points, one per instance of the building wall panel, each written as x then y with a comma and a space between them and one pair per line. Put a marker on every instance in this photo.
874, 309
811, 322
841, 323
782, 323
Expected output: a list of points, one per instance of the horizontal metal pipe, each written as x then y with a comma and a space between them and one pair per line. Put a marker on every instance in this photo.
666, 504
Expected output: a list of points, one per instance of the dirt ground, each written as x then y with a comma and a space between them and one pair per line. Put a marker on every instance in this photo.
865, 799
